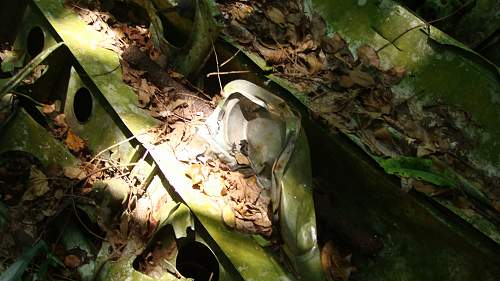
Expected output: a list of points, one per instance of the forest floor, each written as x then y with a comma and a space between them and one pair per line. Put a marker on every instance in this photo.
351, 93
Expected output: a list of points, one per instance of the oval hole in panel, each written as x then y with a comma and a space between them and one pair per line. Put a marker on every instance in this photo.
195, 260
82, 105
35, 41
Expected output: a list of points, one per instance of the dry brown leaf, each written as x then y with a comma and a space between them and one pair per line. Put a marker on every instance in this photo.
38, 185
175, 75
314, 64
306, 44
271, 55
175, 104
394, 75
291, 34
368, 56
60, 120
333, 44
240, 33
241, 159
74, 173
72, 261
242, 12
48, 108
335, 266
361, 78
141, 215
143, 97
275, 15
158, 57
426, 149
74, 142
318, 27
345, 81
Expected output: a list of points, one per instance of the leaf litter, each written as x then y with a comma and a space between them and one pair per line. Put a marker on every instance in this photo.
34, 196
350, 93
353, 94
169, 97
172, 99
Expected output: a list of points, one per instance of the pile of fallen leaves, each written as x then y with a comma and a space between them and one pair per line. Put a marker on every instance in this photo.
353, 94
130, 218
33, 196
245, 205
160, 90
171, 98
61, 131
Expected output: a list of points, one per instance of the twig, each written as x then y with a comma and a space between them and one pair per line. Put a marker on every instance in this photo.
176, 272
80, 220
211, 276
231, 58
399, 36
111, 167
78, 196
227, 72
115, 145
298, 76
193, 96
217, 63
426, 23
105, 73
197, 89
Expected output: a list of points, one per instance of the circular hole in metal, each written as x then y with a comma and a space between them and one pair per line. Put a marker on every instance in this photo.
195, 260
35, 41
82, 104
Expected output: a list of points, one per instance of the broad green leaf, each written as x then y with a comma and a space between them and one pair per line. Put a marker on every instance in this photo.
418, 168
17, 269
51, 260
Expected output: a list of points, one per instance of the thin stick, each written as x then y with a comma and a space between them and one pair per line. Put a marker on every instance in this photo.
177, 273
106, 72
427, 23
197, 89
80, 220
227, 72
217, 63
231, 58
115, 145
211, 276
399, 36
111, 167
193, 96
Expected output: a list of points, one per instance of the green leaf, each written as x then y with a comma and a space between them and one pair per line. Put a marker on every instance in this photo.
17, 269
51, 260
417, 168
